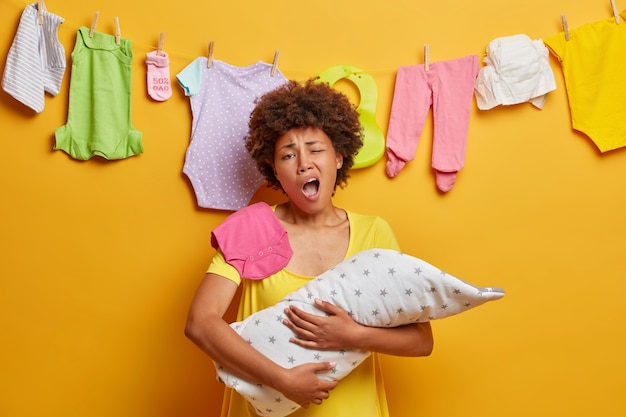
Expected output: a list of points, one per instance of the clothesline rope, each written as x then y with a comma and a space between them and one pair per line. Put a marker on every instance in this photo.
69, 22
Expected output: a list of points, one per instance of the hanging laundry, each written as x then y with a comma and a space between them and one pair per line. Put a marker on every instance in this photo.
373, 138
99, 115
158, 75
221, 171
517, 71
36, 60
593, 61
450, 84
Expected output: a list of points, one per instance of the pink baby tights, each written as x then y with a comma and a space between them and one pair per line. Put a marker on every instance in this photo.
447, 87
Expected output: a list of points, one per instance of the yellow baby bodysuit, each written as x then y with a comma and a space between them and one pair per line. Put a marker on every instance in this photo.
594, 70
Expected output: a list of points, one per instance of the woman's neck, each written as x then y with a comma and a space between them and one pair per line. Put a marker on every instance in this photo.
328, 216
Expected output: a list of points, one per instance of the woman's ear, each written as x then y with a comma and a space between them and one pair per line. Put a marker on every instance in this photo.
339, 159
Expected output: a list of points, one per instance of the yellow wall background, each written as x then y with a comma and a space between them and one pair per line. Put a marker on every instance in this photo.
100, 259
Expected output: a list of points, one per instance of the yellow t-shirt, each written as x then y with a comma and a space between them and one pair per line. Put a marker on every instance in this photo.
362, 392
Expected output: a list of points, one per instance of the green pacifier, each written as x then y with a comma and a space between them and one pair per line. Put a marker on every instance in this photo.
373, 137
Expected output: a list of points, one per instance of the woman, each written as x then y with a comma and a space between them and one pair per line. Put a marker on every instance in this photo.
303, 137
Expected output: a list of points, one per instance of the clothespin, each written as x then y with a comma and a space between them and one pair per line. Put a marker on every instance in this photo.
118, 33
565, 28
426, 58
160, 47
94, 22
615, 12
209, 63
275, 64
40, 8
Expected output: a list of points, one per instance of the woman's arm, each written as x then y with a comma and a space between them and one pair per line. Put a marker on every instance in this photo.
337, 330
208, 330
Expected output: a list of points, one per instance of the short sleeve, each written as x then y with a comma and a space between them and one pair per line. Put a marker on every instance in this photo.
190, 77
368, 232
385, 236
220, 267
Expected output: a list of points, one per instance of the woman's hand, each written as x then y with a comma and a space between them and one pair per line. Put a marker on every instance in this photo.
302, 385
335, 331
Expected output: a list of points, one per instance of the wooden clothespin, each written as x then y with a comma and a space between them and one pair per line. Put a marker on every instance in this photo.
40, 8
118, 33
615, 12
209, 62
94, 22
160, 47
565, 28
275, 63
426, 58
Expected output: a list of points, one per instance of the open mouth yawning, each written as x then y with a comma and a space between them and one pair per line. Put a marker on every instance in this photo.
311, 187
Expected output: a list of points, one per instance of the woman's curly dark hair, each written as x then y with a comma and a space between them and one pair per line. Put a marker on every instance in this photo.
303, 105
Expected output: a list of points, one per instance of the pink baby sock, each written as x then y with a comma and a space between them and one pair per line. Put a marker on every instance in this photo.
158, 76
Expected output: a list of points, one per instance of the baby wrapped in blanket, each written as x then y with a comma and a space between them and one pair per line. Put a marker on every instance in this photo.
377, 287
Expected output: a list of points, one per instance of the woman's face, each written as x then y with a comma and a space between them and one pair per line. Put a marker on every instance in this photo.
306, 164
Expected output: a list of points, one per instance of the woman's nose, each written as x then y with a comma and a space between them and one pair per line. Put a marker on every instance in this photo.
304, 164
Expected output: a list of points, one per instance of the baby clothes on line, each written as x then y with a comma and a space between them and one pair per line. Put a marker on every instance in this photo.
158, 75
36, 59
447, 87
99, 115
593, 61
221, 171
517, 71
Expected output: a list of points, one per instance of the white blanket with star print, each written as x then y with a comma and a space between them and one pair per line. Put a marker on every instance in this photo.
377, 287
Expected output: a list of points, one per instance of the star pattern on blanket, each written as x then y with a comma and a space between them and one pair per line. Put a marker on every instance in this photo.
376, 288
